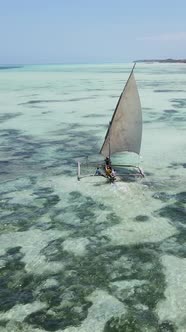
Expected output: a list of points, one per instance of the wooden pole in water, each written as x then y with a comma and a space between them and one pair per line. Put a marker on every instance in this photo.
78, 170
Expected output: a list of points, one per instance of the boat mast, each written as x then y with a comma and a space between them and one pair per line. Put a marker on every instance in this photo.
109, 138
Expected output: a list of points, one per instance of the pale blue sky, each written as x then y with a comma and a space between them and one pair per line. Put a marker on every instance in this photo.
73, 31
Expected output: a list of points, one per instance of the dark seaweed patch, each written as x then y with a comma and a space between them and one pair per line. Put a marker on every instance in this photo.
147, 121
179, 103
147, 294
113, 96
147, 173
83, 275
75, 195
133, 321
176, 165
93, 115
17, 145
14, 287
7, 116
80, 216
167, 326
51, 200
181, 197
170, 111
163, 196
47, 195
34, 102
154, 84
43, 191
13, 251
12, 133
20, 217
4, 163
3, 323
63, 318
166, 117
83, 98
26, 152
138, 321
179, 118
97, 269
166, 90
175, 212
142, 218
175, 245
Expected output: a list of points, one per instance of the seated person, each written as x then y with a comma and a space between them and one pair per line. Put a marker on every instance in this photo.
108, 171
98, 172
107, 161
113, 173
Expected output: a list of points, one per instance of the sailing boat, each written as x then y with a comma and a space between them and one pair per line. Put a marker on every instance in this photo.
124, 133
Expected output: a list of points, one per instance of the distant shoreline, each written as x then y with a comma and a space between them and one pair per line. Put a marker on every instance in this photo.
163, 61
4, 67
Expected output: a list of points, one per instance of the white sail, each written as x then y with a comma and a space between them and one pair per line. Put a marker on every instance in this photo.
125, 130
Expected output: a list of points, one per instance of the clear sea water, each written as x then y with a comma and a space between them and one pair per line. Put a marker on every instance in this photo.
89, 256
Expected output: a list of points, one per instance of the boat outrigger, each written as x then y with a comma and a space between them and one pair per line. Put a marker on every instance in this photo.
123, 135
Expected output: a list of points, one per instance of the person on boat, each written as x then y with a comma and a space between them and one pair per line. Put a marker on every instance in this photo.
108, 171
98, 172
110, 174
107, 161
113, 173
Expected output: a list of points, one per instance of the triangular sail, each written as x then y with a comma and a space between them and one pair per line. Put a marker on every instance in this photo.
125, 130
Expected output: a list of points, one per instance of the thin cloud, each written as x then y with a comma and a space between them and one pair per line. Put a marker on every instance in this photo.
173, 37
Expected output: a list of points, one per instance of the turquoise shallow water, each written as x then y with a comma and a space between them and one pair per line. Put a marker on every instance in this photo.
88, 256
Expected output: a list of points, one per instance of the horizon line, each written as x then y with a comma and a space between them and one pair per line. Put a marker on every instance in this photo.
91, 63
